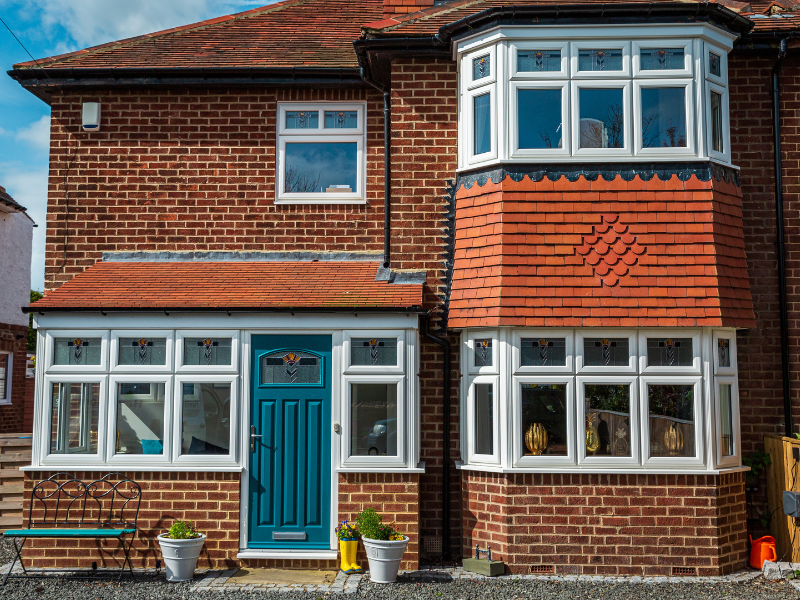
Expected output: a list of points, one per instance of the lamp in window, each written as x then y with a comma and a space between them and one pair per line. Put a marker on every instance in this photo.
673, 439
536, 439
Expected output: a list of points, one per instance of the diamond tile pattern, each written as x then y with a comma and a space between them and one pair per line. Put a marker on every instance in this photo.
611, 249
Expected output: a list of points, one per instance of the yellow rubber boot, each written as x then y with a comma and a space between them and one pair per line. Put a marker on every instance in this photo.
349, 549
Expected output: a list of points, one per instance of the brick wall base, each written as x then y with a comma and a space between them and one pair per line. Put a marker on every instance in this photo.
608, 524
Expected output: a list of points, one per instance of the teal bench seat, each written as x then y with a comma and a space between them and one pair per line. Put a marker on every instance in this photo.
59, 533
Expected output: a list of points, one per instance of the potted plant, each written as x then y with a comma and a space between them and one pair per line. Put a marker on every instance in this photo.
180, 548
348, 544
384, 545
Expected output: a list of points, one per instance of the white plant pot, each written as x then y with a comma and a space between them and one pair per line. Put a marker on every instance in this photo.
384, 558
180, 556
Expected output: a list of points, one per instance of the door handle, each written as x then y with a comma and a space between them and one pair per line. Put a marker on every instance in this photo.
253, 436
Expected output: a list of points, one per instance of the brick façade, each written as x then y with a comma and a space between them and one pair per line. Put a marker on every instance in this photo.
14, 339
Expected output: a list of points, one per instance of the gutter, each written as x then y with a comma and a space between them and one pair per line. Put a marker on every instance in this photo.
781, 243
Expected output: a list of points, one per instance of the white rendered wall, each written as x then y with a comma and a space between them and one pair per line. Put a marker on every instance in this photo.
16, 235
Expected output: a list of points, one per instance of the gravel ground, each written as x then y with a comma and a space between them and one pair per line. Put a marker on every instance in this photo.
150, 587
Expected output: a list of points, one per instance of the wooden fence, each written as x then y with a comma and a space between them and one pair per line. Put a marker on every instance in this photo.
782, 474
15, 452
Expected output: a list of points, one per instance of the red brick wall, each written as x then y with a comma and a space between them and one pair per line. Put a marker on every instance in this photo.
607, 524
14, 338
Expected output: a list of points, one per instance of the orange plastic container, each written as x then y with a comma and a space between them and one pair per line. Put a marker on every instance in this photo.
762, 549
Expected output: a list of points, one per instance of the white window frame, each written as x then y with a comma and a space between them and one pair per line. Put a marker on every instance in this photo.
469, 342
199, 460
634, 443
697, 360
625, 85
517, 75
518, 457
5, 399
688, 87
513, 121
723, 64
688, 58
350, 369
726, 122
491, 52
357, 135
50, 348
182, 334
582, 334
145, 461
404, 417
142, 334
731, 337
469, 435
735, 459
469, 108
57, 460
576, 47
516, 351
699, 426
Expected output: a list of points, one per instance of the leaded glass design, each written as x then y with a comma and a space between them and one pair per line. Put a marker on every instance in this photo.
373, 352
671, 419
207, 351
341, 119
543, 352
670, 352
538, 60
481, 67
608, 420
600, 60
714, 64
142, 351
659, 59
302, 119
726, 419
75, 410
287, 367
483, 353
76, 351
484, 418
544, 419
606, 352
724, 352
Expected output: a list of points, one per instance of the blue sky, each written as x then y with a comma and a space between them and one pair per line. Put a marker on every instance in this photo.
49, 27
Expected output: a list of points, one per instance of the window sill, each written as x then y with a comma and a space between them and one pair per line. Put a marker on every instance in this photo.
333, 201
420, 468
602, 470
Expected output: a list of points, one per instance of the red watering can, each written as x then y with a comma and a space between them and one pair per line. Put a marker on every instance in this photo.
762, 549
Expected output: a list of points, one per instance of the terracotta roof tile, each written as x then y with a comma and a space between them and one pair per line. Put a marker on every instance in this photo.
240, 284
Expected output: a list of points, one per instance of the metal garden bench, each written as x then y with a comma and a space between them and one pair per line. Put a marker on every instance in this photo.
65, 507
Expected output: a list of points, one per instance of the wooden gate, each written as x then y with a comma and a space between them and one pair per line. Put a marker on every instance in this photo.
15, 452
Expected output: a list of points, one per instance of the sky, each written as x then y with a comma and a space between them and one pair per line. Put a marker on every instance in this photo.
50, 27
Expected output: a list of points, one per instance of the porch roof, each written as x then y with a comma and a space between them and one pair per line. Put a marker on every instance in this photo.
231, 285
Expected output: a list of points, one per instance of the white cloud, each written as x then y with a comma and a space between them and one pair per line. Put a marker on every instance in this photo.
37, 134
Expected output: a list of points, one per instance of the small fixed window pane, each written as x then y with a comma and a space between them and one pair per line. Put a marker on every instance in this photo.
207, 351
481, 67
140, 418
538, 60
723, 353
313, 167
341, 119
484, 418
659, 59
714, 64
670, 352
302, 119
373, 419
206, 418
77, 351
287, 367
726, 419
671, 420
544, 419
544, 352
539, 118
142, 351
606, 352
75, 408
663, 117
483, 353
717, 144
482, 117
600, 60
373, 352
608, 420
5, 376
602, 118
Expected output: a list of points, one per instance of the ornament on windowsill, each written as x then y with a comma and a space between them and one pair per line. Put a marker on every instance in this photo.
592, 437
621, 444
673, 440
536, 439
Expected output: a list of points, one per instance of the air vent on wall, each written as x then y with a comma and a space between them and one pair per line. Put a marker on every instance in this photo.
542, 569
684, 571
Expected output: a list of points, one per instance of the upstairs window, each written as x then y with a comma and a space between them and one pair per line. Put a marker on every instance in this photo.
321, 153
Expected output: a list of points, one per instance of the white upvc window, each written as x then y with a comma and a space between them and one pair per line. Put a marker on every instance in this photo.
6, 370
725, 391
601, 117
543, 351
76, 351
202, 352
663, 117
321, 153
374, 352
605, 351
541, 117
482, 352
479, 104
670, 351
672, 421
148, 351
544, 420
608, 411
483, 415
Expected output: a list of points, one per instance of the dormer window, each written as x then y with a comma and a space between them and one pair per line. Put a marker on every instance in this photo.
532, 95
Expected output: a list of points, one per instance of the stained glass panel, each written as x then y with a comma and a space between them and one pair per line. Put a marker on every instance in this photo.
341, 119
543, 352
142, 351
207, 351
302, 119
600, 60
538, 60
483, 353
76, 351
723, 353
287, 367
606, 352
670, 352
544, 419
671, 419
659, 59
714, 64
481, 67
373, 351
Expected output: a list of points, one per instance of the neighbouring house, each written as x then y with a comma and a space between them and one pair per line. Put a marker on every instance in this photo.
16, 238
553, 321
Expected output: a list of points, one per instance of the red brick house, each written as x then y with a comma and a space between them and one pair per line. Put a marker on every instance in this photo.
552, 321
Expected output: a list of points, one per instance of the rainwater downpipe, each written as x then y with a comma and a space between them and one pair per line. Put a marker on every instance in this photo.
781, 244
387, 173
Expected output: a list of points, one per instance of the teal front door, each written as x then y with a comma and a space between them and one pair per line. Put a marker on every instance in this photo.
290, 441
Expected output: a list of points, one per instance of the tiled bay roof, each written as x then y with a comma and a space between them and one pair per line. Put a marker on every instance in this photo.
261, 285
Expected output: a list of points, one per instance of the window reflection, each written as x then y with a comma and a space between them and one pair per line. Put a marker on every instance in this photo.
608, 420
206, 418
140, 418
539, 118
602, 118
663, 117
373, 419
313, 167
671, 419
483, 123
544, 419
484, 418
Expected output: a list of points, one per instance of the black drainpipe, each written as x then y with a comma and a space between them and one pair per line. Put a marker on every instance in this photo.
776, 129
445, 435
387, 173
